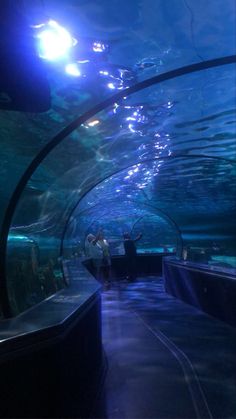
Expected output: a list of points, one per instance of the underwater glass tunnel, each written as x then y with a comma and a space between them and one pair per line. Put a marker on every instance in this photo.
138, 134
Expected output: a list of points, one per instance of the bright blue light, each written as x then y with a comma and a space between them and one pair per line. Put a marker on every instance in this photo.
54, 41
104, 73
98, 47
111, 86
73, 70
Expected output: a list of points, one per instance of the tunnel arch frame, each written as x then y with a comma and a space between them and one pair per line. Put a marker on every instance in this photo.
172, 157
164, 215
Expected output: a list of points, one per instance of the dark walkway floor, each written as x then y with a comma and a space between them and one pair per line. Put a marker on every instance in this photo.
166, 359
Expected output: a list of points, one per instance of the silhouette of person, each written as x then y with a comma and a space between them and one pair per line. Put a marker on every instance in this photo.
131, 255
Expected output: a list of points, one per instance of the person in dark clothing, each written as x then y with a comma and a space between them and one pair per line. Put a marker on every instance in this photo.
131, 255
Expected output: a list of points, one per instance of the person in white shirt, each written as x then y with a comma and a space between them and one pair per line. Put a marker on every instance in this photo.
106, 262
94, 251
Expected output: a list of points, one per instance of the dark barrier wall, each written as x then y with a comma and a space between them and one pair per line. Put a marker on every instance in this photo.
51, 356
147, 264
211, 291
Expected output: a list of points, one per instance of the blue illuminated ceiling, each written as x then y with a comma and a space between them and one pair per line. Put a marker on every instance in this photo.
171, 144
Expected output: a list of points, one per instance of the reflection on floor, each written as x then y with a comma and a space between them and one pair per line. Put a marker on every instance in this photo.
166, 359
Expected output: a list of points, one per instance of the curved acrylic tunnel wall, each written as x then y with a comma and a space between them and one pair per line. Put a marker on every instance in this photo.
179, 134
175, 34
169, 147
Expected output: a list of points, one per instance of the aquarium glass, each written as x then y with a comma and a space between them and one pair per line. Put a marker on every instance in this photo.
161, 161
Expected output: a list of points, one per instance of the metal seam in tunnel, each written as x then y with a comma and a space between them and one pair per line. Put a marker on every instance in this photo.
9, 213
169, 218
164, 216
188, 156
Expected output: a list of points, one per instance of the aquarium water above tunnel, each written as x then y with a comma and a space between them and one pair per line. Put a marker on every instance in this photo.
128, 124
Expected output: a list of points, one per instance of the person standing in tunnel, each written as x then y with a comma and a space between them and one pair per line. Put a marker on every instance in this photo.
106, 261
94, 251
131, 255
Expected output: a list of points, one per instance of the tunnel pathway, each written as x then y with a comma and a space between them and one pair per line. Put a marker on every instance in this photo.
166, 359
